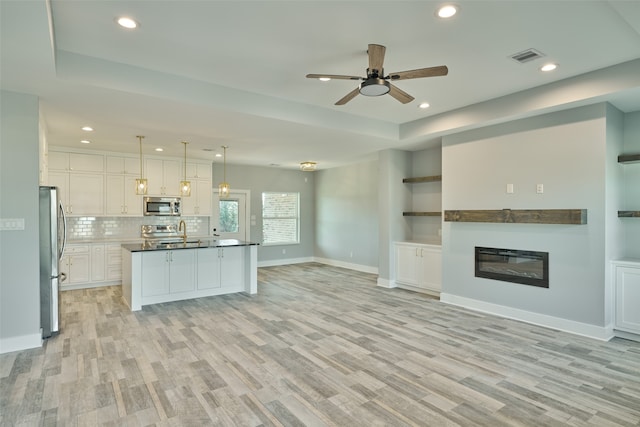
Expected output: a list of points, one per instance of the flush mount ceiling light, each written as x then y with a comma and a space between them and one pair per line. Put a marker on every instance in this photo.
447, 11
374, 87
185, 186
308, 166
87, 128
223, 188
141, 183
127, 22
548, 67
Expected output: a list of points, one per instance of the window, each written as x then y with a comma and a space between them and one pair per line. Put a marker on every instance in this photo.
280, 218
229, 216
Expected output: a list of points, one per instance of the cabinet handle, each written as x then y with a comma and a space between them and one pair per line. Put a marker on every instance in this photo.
416, 251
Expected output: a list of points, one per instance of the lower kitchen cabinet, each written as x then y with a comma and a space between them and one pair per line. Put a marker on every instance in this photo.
627, 295
90, 265
220, 267
75, 264
167, 272
418, 266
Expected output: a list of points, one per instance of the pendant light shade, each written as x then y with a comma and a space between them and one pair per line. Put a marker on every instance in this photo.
223, 188
185, 186
141, 183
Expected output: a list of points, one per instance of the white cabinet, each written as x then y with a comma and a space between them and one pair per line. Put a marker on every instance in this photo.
98, 271
418, 266
121, 196
75, 264
220, 267
76, 162
114, 262
168, 272
627, 295
163, 177
199, 203
80, 193
199, 171
123, 165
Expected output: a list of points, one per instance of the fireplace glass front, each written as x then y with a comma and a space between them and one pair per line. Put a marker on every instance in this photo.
512, 265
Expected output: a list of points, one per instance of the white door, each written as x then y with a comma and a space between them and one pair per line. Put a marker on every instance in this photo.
229, 216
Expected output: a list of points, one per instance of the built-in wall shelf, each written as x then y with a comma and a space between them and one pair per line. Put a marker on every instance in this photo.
422, 213
432, 178
628, 214
629, 158
521, 216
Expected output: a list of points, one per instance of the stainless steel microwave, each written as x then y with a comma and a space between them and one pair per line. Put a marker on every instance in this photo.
161, 206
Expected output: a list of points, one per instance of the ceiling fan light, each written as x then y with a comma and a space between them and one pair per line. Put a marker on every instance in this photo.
308, 166
374, 87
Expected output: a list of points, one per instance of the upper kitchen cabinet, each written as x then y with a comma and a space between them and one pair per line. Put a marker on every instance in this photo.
123, 165
163, 177
121, 196
80, 178
199, 203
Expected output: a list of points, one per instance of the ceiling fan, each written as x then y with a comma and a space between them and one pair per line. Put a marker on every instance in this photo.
376, 83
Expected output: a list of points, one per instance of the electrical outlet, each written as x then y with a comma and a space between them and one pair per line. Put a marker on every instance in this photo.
284, 251
509, 188
540, 188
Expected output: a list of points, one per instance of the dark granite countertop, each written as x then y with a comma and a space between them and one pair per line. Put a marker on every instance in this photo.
191, 244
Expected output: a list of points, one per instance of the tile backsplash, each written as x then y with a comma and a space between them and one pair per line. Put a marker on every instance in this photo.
100, 228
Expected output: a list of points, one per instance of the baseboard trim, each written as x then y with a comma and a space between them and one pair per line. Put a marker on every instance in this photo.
22, 342
348, 265
386, 283
277, 262
601, 333
627, 335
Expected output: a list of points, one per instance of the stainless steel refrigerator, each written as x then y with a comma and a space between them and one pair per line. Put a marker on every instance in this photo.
53, 228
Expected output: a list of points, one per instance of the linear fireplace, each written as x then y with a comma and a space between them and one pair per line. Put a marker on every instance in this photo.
512, 265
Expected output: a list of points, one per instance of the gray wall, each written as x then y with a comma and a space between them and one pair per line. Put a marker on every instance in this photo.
425, 196
19, 255
566, 152
347, 214
632, 184
260, 179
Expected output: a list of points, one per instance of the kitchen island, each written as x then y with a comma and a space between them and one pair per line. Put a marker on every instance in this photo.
154, 273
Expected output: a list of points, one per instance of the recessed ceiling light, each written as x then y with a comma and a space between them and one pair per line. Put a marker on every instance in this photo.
424, 105
87, 128
324, 79
447, 11
218, 155
159, 149
127, 22
548, 67
85, 141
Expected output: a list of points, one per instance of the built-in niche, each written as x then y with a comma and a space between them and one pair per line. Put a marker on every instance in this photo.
513, 265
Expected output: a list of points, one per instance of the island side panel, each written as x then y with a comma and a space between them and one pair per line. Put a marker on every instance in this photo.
251, 269
132, 279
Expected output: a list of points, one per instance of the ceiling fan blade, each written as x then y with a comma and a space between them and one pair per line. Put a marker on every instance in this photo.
441, 70
333, 76
399, 94
348, 97
376, 57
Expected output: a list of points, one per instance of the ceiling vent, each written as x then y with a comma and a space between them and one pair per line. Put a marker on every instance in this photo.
527, 55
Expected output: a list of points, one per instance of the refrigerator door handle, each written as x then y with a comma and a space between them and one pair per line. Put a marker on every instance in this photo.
64, 233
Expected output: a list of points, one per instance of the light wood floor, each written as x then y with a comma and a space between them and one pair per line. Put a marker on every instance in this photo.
318, 346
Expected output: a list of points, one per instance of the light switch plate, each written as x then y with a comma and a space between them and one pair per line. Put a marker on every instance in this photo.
7, 224
540, 188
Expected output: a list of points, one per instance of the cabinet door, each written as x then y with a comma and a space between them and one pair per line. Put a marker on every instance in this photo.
154, 175
98, 263
123, 165
86, 194
203, 195
78, 269
406, 264
115, 195
132, 201
58, 161
232, 267
429, 273
208, 268
182, 270
628, 299
172, 177
61, 180
86, 162
155, 273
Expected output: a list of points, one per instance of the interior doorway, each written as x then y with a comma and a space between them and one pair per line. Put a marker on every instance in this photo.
230, 216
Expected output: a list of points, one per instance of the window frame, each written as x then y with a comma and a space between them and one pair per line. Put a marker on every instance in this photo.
270, 218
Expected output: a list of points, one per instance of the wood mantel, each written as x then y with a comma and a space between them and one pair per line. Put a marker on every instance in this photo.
519, 216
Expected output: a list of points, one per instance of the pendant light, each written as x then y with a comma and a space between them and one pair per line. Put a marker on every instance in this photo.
141, 183
185, 186
223, 188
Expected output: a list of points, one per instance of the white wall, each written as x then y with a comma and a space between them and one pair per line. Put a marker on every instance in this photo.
260, 179
566, 152
19, 254
632, 185
347, 214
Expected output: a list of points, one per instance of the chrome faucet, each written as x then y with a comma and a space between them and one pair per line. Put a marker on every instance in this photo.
183, 227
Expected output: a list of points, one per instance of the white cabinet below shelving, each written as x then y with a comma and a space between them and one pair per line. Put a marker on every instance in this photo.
418, 266
627, 295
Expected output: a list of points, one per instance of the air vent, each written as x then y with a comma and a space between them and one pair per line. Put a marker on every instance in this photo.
527, 55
